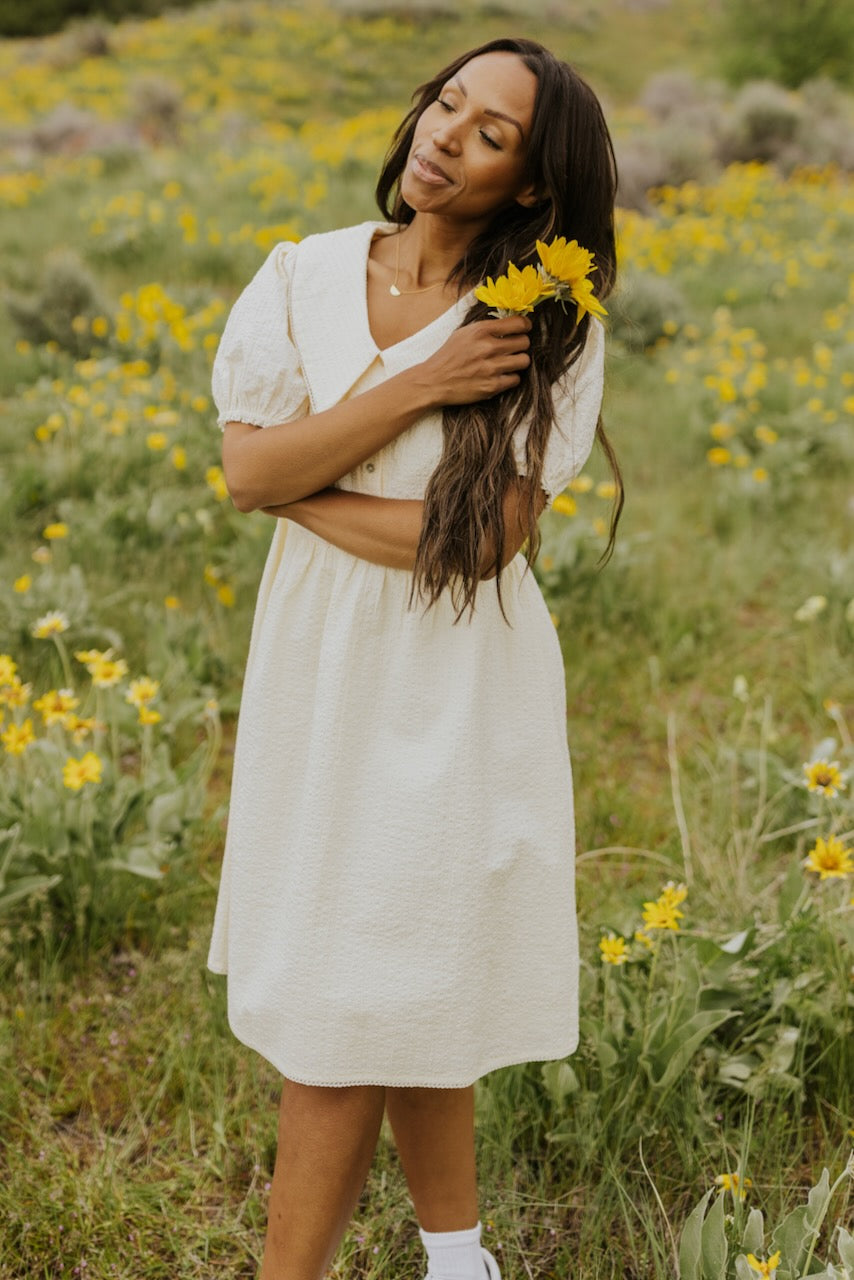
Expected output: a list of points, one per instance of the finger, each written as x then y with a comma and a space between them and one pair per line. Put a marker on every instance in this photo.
511, 325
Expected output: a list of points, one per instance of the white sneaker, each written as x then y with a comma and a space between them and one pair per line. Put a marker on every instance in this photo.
489, 1262
491, 1265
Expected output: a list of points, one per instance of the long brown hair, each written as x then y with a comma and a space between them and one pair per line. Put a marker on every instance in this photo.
570, 163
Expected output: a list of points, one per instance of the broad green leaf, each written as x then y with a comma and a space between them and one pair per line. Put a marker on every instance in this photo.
24, 887
691, 1239
754, 1232
672, 1057
743, 1269
560, 1081
792, 1237
818, 1200
714, 1245
845, 1245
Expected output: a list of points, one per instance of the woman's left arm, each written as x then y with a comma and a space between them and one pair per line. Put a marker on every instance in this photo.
386, 531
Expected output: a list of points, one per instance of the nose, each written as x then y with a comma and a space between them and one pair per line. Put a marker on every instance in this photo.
445, 135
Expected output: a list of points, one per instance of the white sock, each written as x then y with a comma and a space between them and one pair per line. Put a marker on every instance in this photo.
454, 1255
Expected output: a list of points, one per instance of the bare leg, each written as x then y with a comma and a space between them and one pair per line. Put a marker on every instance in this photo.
434, 1133
327, 1139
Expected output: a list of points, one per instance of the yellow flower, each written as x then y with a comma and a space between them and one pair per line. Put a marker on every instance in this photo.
100, 326
824, 777
14, 693
719, 456
8, 667
565, 263
767, 1269
58, 530
606, 489
721, 431
147, 715
50, 624
42, 555
564, 505
585, 300
142, 690
16, 738
225, 595
171, 602
22, 584
55, 705
613, 950
642, 936
766, 434
830, 858
672, 895
732, 1182
90, 655
661, 915
760, 475
179, 457
580, 484
200, 404
79, 726
76, 773
156, 440
106, 672
515, 294
215, 480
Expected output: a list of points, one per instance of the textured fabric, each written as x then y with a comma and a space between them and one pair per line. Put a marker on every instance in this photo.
454, 1255
396, 903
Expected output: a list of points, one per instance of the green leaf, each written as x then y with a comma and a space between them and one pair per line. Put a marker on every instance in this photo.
560, 1081
714, 1245
792, 1237
671, 1058
690, 1241
743, 1269
845, 1245
24, 887
754, 1232
790, 893
818, 1201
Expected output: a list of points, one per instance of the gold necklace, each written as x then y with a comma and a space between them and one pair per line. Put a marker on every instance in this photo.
400, 293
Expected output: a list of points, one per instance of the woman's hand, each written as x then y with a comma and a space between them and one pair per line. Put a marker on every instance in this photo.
478, 361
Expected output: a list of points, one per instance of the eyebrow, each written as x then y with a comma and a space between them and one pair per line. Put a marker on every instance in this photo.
499, 115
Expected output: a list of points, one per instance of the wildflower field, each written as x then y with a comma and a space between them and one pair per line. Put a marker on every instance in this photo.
705, 1126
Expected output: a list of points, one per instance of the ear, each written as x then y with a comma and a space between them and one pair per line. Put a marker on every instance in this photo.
528, 197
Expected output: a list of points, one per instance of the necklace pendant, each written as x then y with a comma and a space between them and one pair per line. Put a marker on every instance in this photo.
394, 291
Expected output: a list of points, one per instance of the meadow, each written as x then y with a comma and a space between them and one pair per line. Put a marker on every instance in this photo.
708, 665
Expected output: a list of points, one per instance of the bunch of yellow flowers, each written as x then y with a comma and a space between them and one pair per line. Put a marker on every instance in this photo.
562, 276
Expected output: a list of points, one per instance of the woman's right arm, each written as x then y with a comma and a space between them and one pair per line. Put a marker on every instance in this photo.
273, 466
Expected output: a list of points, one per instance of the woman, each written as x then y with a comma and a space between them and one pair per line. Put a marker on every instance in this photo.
396, 913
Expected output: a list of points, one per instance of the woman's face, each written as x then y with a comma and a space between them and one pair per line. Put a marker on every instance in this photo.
468, 154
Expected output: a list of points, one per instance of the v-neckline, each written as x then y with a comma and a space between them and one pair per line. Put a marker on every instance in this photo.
466, 298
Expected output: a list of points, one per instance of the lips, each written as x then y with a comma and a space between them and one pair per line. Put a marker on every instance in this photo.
429, 172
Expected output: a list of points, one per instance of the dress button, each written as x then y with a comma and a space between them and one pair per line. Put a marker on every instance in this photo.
369, 466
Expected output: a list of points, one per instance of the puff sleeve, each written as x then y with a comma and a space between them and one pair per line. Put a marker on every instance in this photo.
256, 376
578, 399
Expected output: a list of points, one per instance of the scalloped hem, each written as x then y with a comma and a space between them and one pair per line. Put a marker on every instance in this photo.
421, 1082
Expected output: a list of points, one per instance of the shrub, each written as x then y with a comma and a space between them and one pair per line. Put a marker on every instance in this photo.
63, 308
643, 309
764, 123
790, 43
41, 17
157, 109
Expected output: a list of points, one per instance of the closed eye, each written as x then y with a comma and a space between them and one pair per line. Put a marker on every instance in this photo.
490, 141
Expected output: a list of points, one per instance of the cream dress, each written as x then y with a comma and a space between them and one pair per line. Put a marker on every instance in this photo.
397, 898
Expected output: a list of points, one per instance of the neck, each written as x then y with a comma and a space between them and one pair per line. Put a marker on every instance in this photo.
433, 245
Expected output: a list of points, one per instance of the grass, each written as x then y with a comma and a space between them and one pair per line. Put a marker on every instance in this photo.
139, 1135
